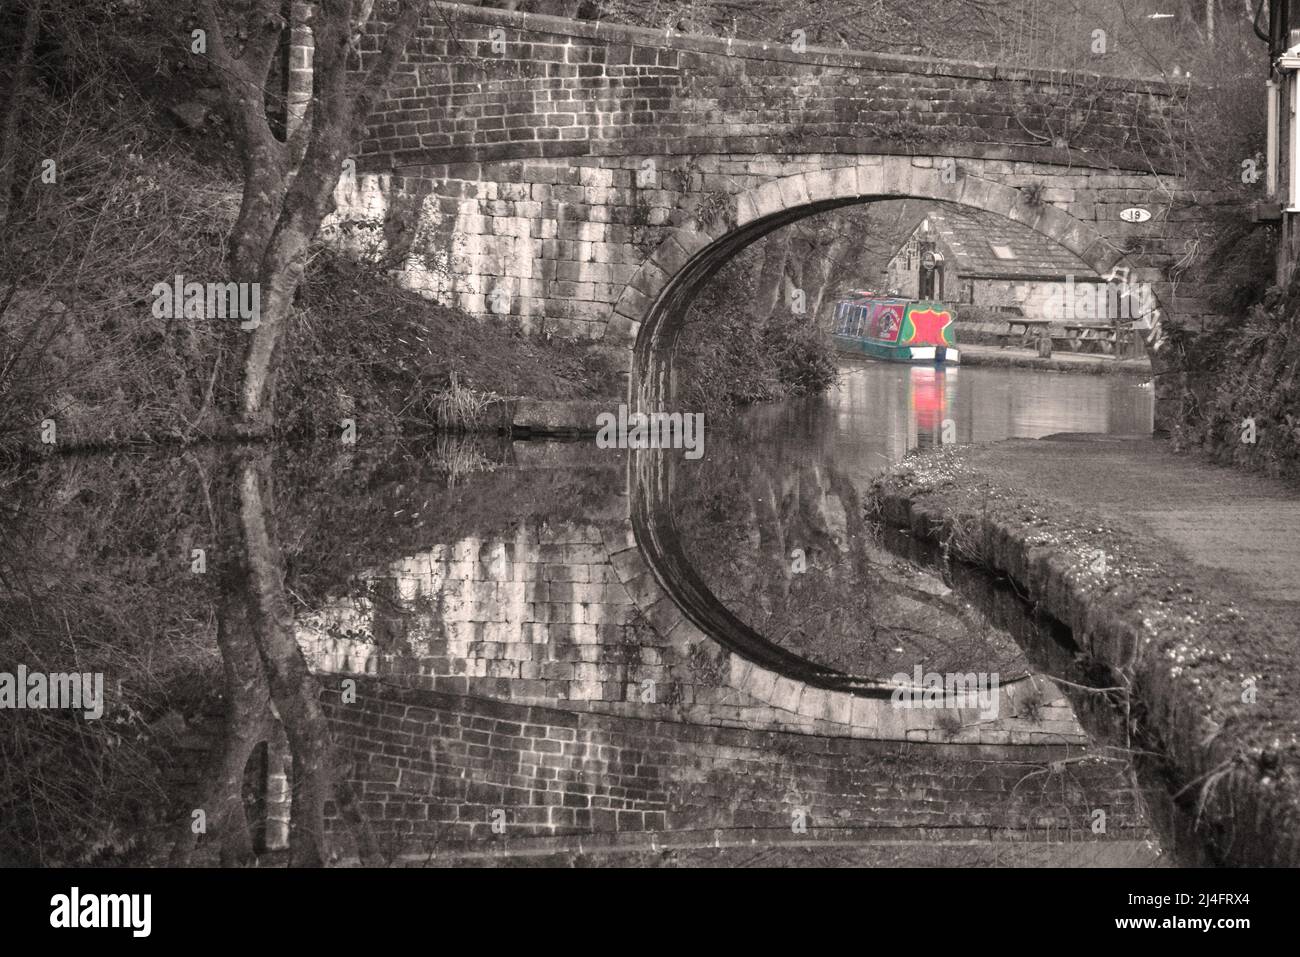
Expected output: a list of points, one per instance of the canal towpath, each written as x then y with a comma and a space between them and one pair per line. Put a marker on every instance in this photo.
1179, 577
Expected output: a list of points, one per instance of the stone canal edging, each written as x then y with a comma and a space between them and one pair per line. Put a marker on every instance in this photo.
1185, 654
997, 358
523, 417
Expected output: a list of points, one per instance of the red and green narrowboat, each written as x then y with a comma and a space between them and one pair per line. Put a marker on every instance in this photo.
899, 330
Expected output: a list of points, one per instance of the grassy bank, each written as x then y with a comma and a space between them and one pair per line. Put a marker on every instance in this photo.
85, 362
127, 176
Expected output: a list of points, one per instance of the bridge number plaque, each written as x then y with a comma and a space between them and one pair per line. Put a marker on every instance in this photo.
1135, 214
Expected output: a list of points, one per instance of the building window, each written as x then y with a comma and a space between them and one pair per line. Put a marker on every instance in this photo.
1002, 252
968, 292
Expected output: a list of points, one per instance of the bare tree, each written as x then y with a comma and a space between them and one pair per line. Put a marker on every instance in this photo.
289, 184
269, 687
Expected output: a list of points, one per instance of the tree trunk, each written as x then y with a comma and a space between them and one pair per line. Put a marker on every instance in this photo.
264, 182
247, 724
294, 690
824, 272
287, 196
17, 91
774, 570
248, 719
771, 282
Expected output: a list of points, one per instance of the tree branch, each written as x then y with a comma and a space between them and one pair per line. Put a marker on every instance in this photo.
395, 43
241, 82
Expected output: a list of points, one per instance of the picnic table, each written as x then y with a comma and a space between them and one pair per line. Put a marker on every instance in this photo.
1074, 335
1029, 330
1108, 336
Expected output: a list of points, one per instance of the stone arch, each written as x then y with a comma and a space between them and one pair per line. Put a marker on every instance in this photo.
643, 322
645, 326
649, 562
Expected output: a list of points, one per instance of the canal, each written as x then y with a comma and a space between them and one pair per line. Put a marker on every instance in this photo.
508, 676
880, 411
767, 516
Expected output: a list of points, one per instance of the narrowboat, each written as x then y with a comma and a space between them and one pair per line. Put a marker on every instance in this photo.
898, 330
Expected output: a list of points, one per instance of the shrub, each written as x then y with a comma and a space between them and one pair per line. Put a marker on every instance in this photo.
727, 356
1246, 385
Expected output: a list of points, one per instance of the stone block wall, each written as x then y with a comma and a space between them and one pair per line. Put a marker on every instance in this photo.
563, 173
541, 160
558, 245
570, 616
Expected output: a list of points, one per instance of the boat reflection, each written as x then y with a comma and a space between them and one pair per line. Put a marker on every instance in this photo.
928, 400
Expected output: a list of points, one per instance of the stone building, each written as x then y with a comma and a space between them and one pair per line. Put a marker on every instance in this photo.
971, 257
1282, 156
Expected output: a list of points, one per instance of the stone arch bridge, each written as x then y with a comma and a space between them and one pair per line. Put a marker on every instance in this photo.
587, 178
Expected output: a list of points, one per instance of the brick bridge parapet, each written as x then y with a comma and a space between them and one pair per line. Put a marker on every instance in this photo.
585, 178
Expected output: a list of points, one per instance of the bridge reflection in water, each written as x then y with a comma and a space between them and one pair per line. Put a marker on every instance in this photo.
528, 686
616, 720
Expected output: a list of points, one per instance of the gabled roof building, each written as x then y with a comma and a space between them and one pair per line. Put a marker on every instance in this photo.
984, 260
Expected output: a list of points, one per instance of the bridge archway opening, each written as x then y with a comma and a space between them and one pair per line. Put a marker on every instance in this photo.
653, 316
651, 313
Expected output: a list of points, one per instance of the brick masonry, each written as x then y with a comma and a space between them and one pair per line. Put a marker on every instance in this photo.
487, 84
568, 173
572, 617
492, 696
434, 770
